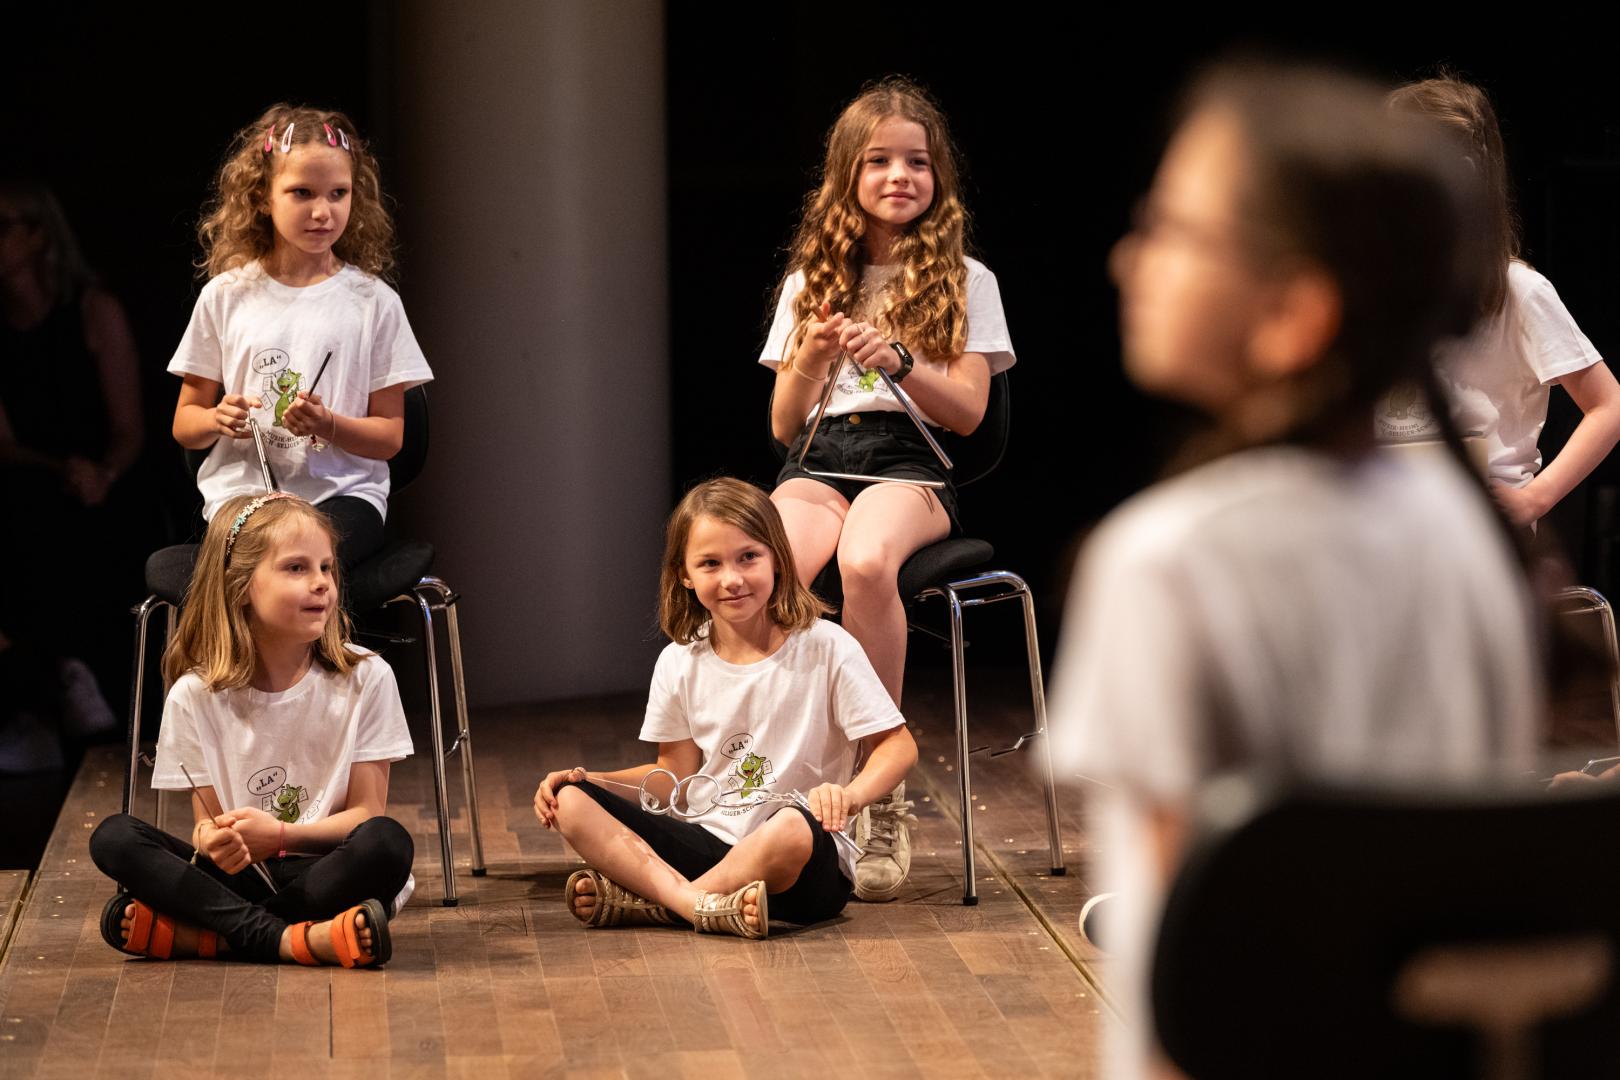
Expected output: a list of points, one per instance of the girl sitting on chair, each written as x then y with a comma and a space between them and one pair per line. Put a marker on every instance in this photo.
878, 270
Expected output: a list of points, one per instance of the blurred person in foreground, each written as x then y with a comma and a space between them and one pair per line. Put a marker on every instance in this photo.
1290, 598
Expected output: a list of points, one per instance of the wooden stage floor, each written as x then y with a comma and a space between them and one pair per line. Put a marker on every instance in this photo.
507, 984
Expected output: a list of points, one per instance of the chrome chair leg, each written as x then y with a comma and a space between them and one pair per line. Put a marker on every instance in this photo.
137, 693
436, 734
463, 744
970, 878
1008, 586
1037, 693
163, 805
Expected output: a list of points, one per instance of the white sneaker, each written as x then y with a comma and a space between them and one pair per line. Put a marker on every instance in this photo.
881, 833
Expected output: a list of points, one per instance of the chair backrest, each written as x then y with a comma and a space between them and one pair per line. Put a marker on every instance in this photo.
194, 459
406, 465
1365, 933
975, 456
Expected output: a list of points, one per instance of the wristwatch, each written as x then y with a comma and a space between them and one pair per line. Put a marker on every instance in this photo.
907, 361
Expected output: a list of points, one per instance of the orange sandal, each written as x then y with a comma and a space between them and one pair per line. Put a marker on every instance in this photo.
346, 938
151, 934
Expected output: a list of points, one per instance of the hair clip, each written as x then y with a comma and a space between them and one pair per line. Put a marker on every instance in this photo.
286, 140
270, 138
333, 140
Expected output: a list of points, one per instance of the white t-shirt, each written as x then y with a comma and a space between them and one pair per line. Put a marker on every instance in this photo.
1280, 609
256, 336
286, 753
785, 723
1497, 377
986, 333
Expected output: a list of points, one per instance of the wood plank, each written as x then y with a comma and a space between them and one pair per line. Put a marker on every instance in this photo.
13, 884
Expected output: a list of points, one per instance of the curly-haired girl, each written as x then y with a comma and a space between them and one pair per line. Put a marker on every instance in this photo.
877, 269
296, 242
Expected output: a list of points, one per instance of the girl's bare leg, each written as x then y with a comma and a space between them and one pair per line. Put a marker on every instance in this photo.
813, 515
885, 526
775, 852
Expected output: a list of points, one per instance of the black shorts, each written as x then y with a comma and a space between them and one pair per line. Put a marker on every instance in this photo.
820, 893
871, 444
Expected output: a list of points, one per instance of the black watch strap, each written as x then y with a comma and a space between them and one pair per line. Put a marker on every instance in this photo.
907, 361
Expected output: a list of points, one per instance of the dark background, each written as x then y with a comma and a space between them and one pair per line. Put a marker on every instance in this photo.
1058, 118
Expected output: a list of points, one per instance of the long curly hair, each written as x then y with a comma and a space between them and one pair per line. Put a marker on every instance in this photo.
926, 304
1465, 110
215, 636
236, 230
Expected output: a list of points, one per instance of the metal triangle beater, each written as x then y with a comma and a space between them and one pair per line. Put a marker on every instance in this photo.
905, 403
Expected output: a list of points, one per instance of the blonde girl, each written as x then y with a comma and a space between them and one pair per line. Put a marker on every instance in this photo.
297, 243
288, 732
878, 270
766, 699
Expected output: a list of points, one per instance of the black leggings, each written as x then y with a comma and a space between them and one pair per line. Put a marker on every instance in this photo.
359, 528
371, 863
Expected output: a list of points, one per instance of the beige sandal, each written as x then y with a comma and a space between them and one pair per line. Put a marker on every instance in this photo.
616, 905
718, 914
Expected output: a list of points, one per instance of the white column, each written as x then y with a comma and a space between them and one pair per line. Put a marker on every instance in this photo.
529, 139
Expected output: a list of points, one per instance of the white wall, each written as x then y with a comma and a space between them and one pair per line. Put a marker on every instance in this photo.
529, 142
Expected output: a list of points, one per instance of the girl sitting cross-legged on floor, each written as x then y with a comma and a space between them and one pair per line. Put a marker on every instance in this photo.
764, 704
288, 732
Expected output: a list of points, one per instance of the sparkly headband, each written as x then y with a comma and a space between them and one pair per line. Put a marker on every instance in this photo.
248, 511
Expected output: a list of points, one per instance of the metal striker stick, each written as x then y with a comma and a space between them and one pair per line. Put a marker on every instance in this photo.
263, 873
905, 402
321, 372
264, 464
315, 443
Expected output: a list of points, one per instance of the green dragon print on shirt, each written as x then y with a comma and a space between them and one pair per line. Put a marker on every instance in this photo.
286, 387
752, 769
285, 803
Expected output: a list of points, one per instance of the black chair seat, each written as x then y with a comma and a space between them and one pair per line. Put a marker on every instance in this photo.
392, 571
168, 572
943, 562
